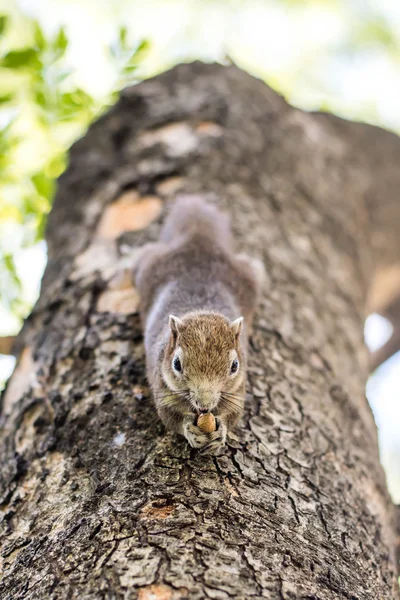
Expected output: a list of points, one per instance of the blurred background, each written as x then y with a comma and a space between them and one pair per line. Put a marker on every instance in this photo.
62, 63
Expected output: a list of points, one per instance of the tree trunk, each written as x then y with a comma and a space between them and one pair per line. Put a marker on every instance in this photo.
97, 500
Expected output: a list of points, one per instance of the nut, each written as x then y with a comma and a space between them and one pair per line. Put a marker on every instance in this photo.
206, 423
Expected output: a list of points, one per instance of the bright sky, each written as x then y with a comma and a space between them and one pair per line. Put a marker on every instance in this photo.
300, 51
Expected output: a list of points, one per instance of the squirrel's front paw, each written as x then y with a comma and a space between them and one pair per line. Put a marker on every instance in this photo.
216, 439
195, 436
208, 443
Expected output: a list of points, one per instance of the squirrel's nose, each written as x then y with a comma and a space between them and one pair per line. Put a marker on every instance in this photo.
206, 400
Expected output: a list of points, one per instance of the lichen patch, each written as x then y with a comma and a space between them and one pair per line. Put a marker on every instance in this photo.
122, 280
128, 213
177, 138
119, 301
157, 510
161, 592
209, 129
120, 297
99, 256
169, 186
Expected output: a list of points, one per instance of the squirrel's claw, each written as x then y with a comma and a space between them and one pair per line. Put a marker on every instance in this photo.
212, 448
216, 439
207, 443
195, 436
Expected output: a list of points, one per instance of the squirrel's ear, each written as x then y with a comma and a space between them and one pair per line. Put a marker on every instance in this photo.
174, 323
236, 326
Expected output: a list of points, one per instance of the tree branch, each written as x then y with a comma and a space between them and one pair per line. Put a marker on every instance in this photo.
389, 348
6, 344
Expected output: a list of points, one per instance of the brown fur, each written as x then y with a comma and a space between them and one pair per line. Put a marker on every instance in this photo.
193, 273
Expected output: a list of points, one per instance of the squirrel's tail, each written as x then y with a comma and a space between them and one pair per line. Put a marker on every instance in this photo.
192, 215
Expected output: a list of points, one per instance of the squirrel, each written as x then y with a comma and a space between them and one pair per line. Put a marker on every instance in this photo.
197, 300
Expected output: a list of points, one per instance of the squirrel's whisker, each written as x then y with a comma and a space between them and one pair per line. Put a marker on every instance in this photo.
172, 399
236, 401
180, 394
229, 402
232, 395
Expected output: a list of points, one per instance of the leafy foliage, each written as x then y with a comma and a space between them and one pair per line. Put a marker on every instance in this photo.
42, 111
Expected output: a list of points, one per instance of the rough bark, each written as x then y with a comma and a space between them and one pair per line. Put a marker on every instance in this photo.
97, 500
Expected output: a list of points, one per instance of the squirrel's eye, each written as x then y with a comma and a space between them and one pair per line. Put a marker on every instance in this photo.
177, 364
234, 366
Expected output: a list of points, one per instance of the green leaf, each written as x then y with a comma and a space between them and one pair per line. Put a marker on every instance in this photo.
6, 98
11, 268
20, 59
55, 167
138, 53
40, 40
143, 47
40, 97
119, 46
41, 227
3, 23
10, 286
60, 43
122, 36
376, 32
29, 207
44, 185
9, 212
73, 103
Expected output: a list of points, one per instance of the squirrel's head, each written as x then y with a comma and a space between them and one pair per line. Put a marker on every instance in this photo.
204, 358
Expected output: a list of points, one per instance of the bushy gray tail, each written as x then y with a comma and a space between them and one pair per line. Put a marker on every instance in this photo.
192, 215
